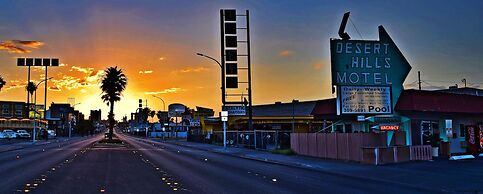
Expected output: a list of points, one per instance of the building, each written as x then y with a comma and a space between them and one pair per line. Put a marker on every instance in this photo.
465, 90
421, 115
61, 118
95, 116
14, 115
273, 124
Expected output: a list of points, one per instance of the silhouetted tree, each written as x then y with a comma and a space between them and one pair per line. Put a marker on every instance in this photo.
113, 83
145, 114
152, 114
31, 87
2, 83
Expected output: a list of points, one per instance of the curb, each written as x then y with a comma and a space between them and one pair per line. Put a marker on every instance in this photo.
310, 168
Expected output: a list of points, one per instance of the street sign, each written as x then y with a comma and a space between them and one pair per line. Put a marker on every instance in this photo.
369, 63
224, 113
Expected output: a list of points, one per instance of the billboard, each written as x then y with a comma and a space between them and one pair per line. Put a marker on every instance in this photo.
368, 74
365, 100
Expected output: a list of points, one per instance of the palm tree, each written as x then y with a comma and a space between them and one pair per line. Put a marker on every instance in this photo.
152, 114
2, 83
31, 87
113, 83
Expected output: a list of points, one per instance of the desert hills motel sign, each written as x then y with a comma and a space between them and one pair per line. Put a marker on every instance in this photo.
368, 74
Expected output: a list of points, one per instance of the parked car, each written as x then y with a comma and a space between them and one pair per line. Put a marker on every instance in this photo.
23, 134
9, 134
51, 133
2, 135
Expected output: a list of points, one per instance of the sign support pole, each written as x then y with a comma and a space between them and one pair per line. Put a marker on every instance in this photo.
224, 135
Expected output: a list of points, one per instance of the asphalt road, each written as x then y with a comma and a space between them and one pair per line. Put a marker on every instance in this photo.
145, 166
21, 166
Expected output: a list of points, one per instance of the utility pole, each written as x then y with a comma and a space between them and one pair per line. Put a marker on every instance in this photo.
419, 79
250, 111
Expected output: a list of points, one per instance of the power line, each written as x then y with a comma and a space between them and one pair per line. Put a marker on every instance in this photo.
357, 30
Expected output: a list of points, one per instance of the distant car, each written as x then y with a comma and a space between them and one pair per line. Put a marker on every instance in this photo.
23, 134
9, 134
51, 133
106, 134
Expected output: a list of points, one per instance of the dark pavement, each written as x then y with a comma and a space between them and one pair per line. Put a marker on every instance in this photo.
463, 176
27, 162
108, 168
149, 166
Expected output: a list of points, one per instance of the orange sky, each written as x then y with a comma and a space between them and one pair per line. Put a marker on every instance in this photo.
155, 43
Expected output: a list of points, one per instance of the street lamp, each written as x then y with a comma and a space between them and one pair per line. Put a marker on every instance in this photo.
203, 55
222, 77
35, 107
222, 83
164, 105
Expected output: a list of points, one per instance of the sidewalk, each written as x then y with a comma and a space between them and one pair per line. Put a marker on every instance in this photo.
24, 144
421, 174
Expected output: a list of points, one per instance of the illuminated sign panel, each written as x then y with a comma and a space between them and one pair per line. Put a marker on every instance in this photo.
365, 100
368, 74
389, 127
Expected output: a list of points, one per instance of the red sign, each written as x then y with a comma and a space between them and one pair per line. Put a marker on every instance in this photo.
389, 127
472, 139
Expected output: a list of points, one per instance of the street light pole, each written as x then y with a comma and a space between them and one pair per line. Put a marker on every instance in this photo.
222, 80
164, 105
35, 108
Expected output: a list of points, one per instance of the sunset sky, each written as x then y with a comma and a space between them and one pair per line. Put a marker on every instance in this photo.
155, 43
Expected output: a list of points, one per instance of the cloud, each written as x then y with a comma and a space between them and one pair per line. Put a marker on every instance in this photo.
29, 43
191, 70
166, 91
285, 53
15, 46
54, 88
317, 66
90, 78
11, 48
146, 72
15, 86
81, 69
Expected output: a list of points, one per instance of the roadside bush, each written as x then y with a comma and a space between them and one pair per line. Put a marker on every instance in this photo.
288, 152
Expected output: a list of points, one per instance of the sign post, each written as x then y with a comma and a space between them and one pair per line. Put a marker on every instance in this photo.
224, 118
